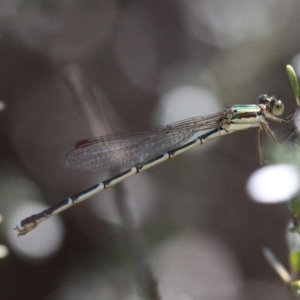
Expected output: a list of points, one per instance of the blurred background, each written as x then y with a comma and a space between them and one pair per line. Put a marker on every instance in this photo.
71, 70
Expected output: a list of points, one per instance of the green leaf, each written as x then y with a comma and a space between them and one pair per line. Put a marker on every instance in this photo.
294, 262
294, 81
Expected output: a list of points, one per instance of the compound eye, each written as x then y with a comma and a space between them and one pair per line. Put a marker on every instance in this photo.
262, 99
277, 107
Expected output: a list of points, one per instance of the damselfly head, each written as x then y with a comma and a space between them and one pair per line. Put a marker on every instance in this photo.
273, 105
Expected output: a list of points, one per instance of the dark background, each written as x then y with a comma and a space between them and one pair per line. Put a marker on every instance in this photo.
190, 219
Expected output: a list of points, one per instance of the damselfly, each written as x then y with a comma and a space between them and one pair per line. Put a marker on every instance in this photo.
142, 150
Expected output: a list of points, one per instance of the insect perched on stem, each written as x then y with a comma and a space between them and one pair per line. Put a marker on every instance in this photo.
144, 149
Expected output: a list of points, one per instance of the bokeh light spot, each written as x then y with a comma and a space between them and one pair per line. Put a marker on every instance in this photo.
274, 184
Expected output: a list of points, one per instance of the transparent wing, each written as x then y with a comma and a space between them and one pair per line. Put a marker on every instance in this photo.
134, 148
